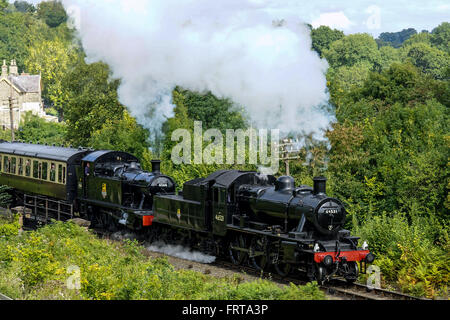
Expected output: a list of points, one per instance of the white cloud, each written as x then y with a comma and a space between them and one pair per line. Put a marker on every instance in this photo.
334, 20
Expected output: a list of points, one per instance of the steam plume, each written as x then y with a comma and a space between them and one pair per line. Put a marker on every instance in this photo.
232, 48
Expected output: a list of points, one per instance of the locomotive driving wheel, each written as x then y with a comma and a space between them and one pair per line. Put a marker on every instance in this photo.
258, 255
283, 269
237, 249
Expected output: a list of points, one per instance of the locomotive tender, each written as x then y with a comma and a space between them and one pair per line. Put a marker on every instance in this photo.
247, 217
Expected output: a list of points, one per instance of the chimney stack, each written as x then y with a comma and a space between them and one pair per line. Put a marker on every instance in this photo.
13, 69
4, 69
320, 185
156, 166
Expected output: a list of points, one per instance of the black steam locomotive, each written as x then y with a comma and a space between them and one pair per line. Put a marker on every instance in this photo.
250, 218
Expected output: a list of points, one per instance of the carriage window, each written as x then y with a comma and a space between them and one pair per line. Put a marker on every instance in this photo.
60, 173
6, 164
64, 175
28, 168
36, 169
13, 165
44, 170
53, 172
0, 163
20, 166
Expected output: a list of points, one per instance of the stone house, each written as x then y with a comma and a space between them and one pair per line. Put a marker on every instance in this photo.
26, 93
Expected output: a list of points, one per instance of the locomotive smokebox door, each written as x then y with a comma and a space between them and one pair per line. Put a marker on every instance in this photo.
219, 212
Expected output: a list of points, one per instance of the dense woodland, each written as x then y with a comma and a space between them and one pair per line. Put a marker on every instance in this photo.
386, 157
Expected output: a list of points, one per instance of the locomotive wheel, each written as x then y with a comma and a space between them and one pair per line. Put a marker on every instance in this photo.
237, 255
319, 275
258, 253
283, 269
353, 272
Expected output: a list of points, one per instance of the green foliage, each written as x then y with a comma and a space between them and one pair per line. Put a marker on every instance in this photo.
323, 36
123, 135
413, 255
92, 101
36, 266
428, 59
53, 59
52, 12
37, 130
441, 37
9, 226
395, 39
24, 7
353, 49
392, 130
5, 197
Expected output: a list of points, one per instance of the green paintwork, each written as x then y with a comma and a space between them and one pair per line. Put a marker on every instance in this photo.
28, 185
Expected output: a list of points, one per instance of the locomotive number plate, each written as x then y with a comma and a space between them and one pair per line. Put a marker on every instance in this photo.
331, 211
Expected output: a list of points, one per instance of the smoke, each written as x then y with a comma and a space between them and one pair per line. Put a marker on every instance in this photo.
232, 48
180, 252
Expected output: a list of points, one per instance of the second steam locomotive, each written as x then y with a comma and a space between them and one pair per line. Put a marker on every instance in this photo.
264, 221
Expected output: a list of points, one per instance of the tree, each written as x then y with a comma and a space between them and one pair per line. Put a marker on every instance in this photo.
441, 37
423, 37
3, 4
428, 59
24, 7
352, 49
92, 100
123, 135
323, 36
52, 12
389, 150
37, 130
53, 59
395, 39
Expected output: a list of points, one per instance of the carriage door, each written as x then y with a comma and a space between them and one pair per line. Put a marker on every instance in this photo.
219, 210
87, 171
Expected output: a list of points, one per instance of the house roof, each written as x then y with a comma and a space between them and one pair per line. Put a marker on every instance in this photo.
26, 83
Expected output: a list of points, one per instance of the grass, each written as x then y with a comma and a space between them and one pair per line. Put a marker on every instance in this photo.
65, 261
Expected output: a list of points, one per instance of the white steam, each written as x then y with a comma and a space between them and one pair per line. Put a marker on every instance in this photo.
232, 48
180, 252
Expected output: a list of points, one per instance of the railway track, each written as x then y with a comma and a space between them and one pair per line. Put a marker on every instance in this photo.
338, 288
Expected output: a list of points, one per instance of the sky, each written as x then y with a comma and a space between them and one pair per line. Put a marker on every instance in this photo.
352, 16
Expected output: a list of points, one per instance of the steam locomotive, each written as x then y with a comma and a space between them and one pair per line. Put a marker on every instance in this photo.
242, 215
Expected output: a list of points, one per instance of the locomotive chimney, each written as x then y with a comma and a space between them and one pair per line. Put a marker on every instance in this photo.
156, 166
320, 185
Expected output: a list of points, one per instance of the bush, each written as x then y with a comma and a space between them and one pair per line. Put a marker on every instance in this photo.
412, 254
40, 264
